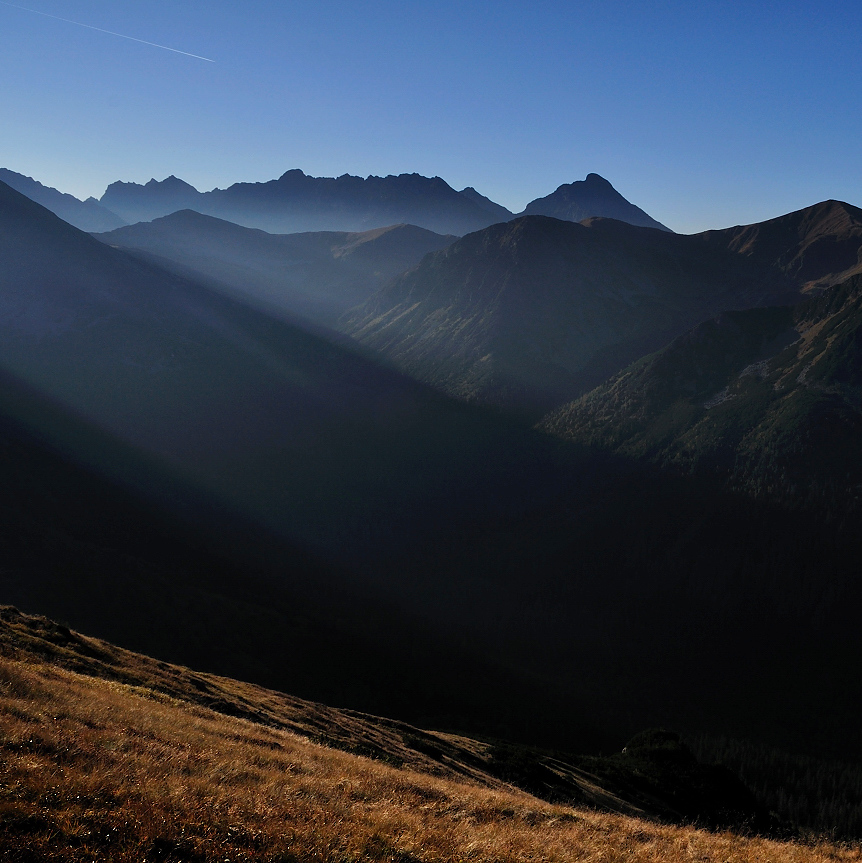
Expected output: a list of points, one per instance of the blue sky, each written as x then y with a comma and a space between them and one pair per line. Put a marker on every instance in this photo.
704, 114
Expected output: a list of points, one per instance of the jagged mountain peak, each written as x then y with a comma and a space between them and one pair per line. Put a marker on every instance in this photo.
171, 182
292, 174
492, 207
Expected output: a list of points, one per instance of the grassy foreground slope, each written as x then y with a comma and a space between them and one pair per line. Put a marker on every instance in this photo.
655, 776
97, 769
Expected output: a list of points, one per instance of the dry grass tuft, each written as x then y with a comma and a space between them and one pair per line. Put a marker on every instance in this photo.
100, 770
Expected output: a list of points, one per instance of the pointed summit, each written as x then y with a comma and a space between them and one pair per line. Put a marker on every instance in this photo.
594, 196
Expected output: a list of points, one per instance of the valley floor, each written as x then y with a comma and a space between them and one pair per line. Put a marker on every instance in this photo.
95, 769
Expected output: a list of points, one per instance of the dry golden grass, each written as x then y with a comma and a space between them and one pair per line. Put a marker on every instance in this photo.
99, 770
38, 640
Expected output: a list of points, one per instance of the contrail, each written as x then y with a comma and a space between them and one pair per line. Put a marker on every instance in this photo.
109, 32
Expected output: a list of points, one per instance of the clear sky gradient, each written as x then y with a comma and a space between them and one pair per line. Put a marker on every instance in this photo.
705, 114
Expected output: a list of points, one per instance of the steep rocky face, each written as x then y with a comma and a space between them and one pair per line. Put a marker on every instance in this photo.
528, 313
584, 199
816, 247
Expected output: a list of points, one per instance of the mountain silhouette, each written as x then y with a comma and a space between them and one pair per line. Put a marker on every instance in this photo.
524, 313
315, 275
87, 215
584, 199
296, 202
816, 247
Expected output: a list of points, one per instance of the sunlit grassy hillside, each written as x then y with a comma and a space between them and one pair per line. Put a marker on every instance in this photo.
96, 769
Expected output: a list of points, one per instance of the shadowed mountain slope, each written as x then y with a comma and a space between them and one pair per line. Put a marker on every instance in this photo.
296, 202
529, 313
585, 199
214, 412
109, 543
312, 440
318, 275
816, 247
558, 581
87, 215
766, 398
540, 627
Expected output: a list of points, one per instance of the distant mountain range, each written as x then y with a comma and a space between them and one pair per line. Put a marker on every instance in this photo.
299, 203
296, 202
318, 276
